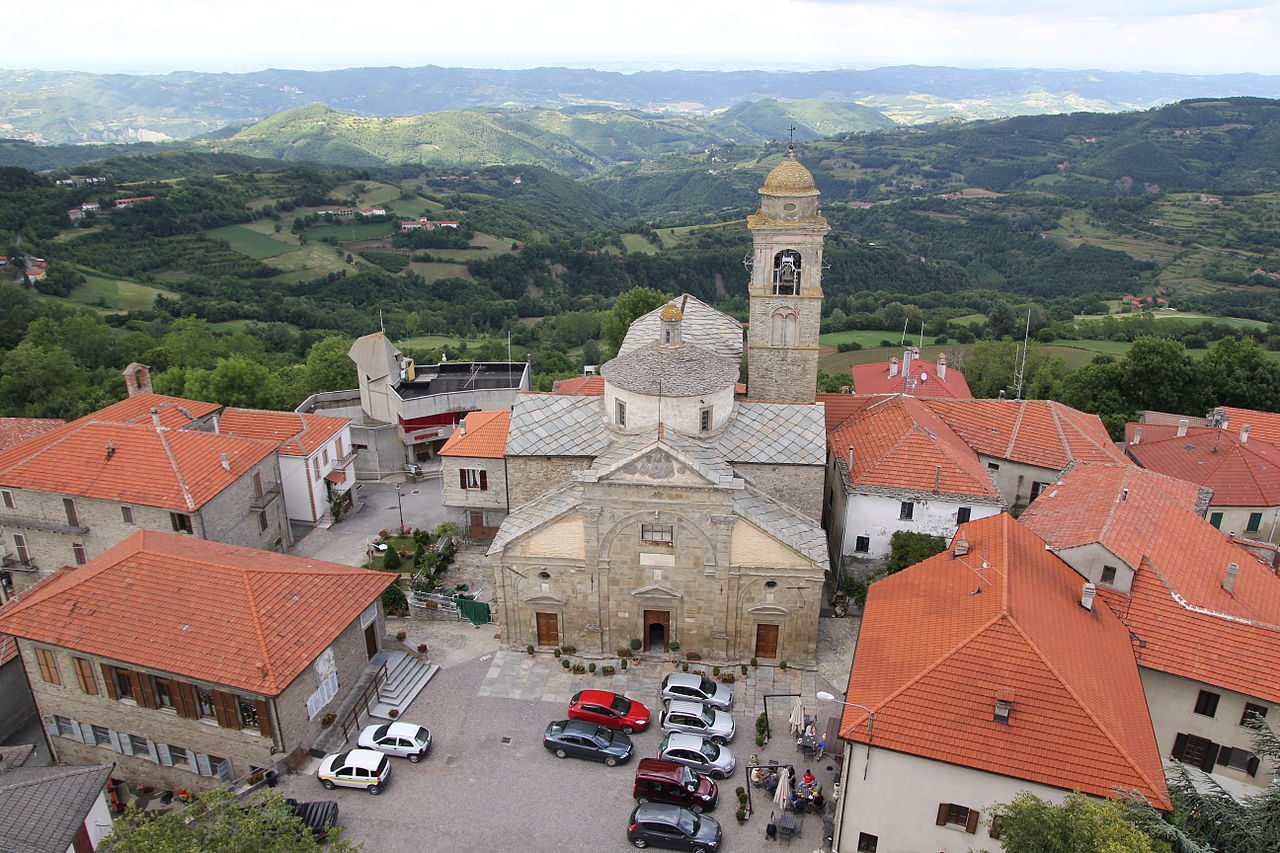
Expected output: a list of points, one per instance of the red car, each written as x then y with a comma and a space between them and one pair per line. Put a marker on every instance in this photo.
609, 710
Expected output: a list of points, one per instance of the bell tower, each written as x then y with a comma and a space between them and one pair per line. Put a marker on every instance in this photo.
787, 233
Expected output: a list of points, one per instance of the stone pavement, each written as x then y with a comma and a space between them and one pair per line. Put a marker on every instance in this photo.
346, 541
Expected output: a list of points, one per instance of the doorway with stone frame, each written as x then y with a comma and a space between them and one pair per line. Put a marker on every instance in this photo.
657, 630
766, 641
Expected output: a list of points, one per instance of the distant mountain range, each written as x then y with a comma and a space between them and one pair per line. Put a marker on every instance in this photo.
75, 107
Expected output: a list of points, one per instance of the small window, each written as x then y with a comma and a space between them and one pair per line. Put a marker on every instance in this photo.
164, 694
1207, 703
248, 713
324, 455
181, 522
704, 420
124, 684
262, 521
862, 545
8, 498
126, 514
1036, 488
66, 727
992, 466
77, 551
475, 478
620, 410
48, 666
867, 842
20, 545
1215, 518
315, 468
963, 514
179, 755
338, 454
257, 484
997, 827
1109, 575
1255, 522
204, 703
101, 735
770, 584
73, 515
141, 746
1251, 709
906, 511
951, 814
657, 534
1238, 759
546, 576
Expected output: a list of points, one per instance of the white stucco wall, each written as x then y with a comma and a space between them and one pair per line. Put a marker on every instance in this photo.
876, 517
679, 413
1013, 479
98, 823
305, 494
1235, 520
1089, 561
898, 802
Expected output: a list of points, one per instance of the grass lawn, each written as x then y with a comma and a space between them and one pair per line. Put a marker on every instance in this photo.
636, 243
268, 227
487, 246
311, 261
400, 543
433, 272
115, 294
352, 231
869, 338
249, 242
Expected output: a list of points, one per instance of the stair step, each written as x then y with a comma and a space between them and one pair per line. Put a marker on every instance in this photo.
403, 696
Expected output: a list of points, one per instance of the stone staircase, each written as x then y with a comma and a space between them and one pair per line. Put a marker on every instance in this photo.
406, 676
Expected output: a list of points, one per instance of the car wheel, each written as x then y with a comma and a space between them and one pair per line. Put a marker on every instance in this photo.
640, 801
560, 753
328, 786
696, 809
719, 741
375, 790
699, 850
611, 762
415, 757
626, 730
641, 843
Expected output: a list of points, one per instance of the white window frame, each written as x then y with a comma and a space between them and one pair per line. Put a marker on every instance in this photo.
473, 478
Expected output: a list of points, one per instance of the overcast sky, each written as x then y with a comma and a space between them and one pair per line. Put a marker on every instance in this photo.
244, 35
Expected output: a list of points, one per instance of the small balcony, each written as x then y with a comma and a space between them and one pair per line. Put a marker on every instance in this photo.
346, 461
78, 529
268, 496
13, 561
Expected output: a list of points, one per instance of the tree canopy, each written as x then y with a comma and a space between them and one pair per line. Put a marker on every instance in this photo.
1080, 824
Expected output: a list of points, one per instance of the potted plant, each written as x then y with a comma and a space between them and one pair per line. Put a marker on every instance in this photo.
623, 664
591, 668
568, 650
782, 664
556, 651
744, 669
754, 662
327, 720
529, 649
578, 669
393, 713
715, 670
674, 646
693, 656
607, 670
741, 815
685, 666
564, 662
422, 648
400, 635
635, 645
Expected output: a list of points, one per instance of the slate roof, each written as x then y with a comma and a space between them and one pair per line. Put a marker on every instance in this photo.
544, 508
262, 618
688, 370
484, 436
1043, 433
702, 325
294, 434
775, 433
1240, 473
42, 808
943, 640
15, 430
556, 425
793, 529
874, 378
697, 454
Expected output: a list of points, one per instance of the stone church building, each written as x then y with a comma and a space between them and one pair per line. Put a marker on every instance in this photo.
671, 508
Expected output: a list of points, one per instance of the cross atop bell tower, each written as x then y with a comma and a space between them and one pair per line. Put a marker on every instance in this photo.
786, 285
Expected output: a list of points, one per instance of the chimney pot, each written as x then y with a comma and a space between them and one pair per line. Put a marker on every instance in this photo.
1244, 434
1182, 427
226, 462
1004, 707
155, 417
1229, 582
893, 367
942, 367
961, 548
1087, 594
1137, 435
1124, 495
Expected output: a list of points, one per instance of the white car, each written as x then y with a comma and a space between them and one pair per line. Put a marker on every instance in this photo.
402, 739
697, 719
356, 768
698, 754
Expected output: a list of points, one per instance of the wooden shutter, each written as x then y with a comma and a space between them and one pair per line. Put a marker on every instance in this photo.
84, 674
1252, 767
224, 706
109, 679
184, 699
462, 478
972, 825
1179, 746
942, 813
264, 717
144, 689
484, 480
48, 666
1210, 757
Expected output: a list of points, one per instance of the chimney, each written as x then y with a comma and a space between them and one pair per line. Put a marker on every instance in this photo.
1137, 435
937, 478
1087, 595
1004, 707
942, 367
226, 462
1229, 582
1244, 434
1182, 427
1001, 393
906, 362
961, 548
1124, 495
893, 367
137, 379
850, 459
110, 450
155, 417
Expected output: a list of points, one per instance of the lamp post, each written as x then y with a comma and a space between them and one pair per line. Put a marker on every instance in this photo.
400, 507
824, 696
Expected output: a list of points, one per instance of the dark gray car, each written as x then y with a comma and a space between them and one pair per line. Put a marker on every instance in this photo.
587, 740
674, 828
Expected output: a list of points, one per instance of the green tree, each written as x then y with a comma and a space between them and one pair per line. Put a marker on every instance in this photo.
906, 548
1096, 388
328, 366
1080, 824
1238, 372
627, 307
45, 381
236, 381
1158, 374
221, 824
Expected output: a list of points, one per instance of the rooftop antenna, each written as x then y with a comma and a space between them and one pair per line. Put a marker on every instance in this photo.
903, 341
381, 325
508, 349
922, 334
1020, 368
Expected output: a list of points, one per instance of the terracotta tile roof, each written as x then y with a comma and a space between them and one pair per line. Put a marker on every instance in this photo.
874, 378
581, 386
482, 435
1044, 433
1262, 425
934, 655
1240, 473
840, 407
171, 468
1150, 416
15, 430
294, 434
262, 617
174, 412
898, 443
1186, 623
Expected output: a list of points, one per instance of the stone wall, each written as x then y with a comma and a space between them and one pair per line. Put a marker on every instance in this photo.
493, 500
229, 516
798, 486
529, 476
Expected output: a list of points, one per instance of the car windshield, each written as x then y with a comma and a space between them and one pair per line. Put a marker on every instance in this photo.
710, 750
380, 732
688, 822
382, 766
708, 716
604, 737
620, 704
420, 736
339, 760
708, 687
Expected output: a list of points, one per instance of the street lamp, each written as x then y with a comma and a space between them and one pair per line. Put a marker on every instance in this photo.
400, 507
824, 696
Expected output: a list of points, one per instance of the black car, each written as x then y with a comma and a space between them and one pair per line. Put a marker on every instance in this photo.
587, 740
319, 816
673, 827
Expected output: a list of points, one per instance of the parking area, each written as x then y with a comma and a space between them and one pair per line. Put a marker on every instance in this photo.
347, 541
489, 784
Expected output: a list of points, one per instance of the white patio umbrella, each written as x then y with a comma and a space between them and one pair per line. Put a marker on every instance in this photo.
782, 796
796, 720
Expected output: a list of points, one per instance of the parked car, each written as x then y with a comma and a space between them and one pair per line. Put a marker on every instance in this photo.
696, 718
699, 754
668, 782
319, 816
697, 688
587, 740
609, 709
403, 739
356, 768
674, 828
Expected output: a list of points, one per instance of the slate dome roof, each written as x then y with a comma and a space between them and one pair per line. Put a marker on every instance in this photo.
684, 371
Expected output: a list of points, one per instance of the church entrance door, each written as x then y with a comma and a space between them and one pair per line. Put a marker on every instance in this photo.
657, 630
548, 629
766, 641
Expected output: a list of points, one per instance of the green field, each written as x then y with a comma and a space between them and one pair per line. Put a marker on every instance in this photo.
116, 294
486, 246
352, 231
635, 243
433, 272
311, 261
249, 242
869, 338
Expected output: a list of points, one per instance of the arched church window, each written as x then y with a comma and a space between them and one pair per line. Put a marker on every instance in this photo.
786, 273
782, 329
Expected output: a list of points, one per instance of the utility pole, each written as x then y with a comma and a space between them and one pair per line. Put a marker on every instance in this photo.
1020, 365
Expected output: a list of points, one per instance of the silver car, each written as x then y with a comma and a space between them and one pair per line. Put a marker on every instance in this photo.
403, 739
697, 719
698, 754
697, 688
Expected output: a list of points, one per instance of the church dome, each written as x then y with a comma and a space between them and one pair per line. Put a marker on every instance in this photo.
789, 178
671, 312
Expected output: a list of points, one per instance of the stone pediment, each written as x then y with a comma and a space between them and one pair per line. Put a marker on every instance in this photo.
656, 591
656, 466
769, 610
543, 598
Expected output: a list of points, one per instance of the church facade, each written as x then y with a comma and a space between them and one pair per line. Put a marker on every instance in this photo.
672, 509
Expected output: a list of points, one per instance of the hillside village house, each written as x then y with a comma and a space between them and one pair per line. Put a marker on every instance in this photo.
473, 474
186, 697
912, 376
147, 462
667, 508
971, 664
1202, 612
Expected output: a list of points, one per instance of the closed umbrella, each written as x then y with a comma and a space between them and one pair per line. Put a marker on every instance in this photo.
796, 720
782, 796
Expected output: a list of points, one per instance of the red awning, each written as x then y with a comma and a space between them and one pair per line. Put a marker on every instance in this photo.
336, 477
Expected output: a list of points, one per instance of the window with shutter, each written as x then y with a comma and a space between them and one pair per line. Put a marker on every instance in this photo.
971, 825
85, 676
48, 666
202, 765
484, 480
126, 514
109, 679
162, 751
146, 690
264, 718
226, 710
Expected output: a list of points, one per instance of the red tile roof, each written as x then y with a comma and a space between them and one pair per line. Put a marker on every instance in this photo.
840, 407
15, 430
261, 619
483, 435
1240, 473
174, 412
579, 386
923, 381
1185, 622
1043, 433
1262, 425
898, 443
294, 434
941, 641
